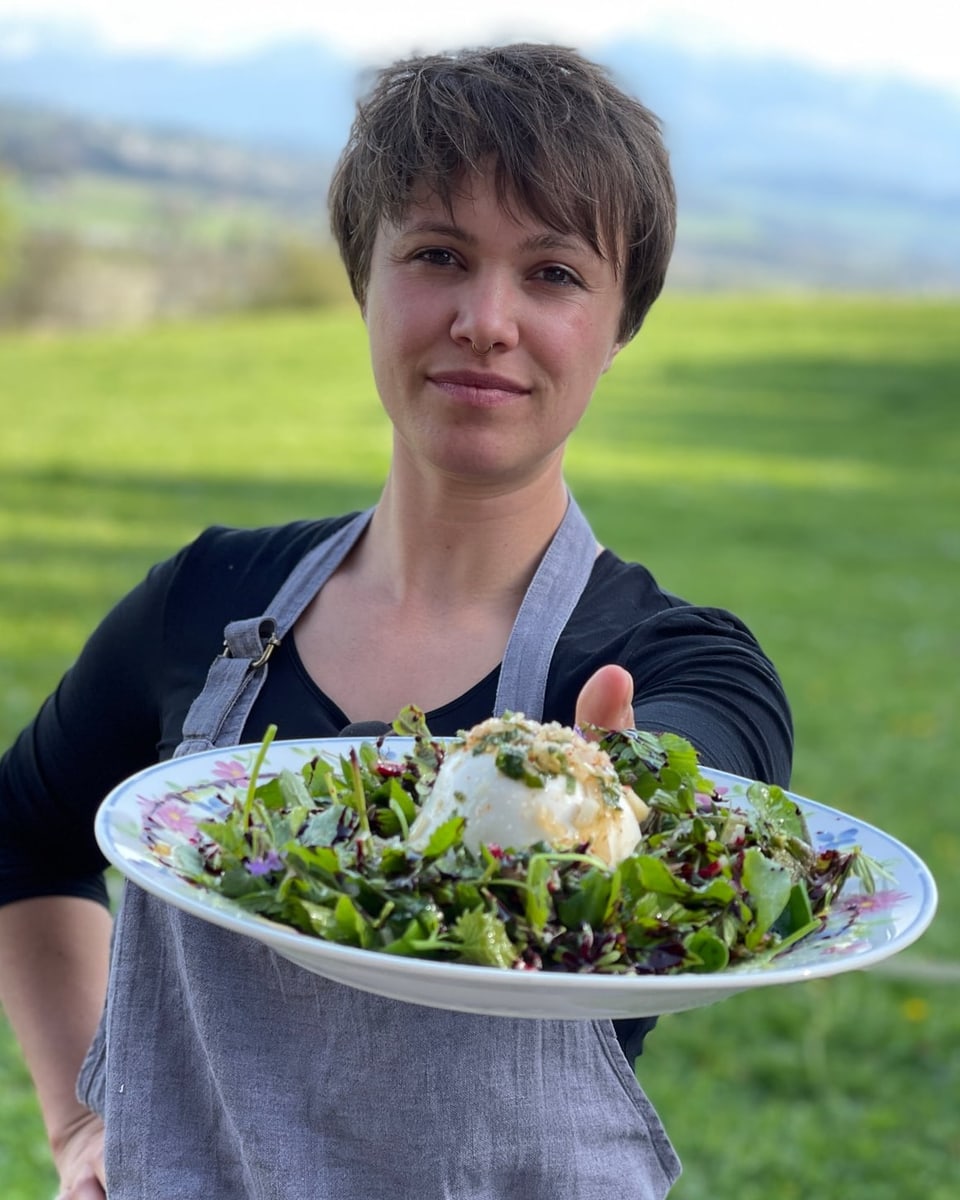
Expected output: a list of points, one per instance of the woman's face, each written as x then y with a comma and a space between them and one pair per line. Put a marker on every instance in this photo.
547, 306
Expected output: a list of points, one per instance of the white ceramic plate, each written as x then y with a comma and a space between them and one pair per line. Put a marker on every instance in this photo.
861, 931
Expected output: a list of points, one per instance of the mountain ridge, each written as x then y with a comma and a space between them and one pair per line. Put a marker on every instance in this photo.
786, 173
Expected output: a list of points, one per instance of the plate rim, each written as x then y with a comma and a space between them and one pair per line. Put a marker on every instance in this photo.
206, 905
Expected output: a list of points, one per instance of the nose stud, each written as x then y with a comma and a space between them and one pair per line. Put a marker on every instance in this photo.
478, 352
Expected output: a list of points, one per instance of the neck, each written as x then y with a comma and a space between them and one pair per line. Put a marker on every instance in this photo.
456, 542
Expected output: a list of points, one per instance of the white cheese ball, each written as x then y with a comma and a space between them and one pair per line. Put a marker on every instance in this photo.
569, 793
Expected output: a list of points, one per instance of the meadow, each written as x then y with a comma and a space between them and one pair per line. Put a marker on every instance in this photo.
795, 459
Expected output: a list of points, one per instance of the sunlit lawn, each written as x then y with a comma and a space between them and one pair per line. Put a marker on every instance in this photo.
794, 460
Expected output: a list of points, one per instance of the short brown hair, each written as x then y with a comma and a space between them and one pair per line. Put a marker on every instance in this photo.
566, 144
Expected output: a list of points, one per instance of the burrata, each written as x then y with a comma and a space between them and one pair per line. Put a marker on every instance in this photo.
517, 782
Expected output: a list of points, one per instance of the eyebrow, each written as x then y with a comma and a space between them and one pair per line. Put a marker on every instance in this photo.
548, 240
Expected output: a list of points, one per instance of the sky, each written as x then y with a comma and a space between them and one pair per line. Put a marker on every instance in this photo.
918, 39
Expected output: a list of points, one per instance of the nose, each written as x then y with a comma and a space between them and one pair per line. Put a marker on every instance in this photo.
487, 311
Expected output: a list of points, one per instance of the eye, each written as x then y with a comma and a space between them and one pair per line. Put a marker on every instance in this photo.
435, 255
560, 276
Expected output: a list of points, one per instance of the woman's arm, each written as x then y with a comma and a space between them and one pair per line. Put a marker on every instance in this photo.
54, 953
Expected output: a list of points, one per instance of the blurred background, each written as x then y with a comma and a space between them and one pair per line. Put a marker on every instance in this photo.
165, 160
178, 348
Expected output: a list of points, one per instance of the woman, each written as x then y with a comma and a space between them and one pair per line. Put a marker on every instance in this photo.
506, 217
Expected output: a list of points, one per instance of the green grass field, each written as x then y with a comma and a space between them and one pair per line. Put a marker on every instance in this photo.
795, 460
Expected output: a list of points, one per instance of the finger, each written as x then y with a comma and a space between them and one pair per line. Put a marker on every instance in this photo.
606, 700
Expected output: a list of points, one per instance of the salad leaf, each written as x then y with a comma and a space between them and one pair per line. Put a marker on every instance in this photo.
709, 951
768, 886
482, 939
713, 883
443, 837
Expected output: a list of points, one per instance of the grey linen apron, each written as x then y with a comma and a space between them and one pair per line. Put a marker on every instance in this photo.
224, 1071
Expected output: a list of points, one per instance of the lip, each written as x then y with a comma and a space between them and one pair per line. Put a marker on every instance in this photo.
478, 387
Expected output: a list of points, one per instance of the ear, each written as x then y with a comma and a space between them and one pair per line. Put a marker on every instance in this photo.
614, 351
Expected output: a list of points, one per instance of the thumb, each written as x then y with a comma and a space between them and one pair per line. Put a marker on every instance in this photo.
606, 699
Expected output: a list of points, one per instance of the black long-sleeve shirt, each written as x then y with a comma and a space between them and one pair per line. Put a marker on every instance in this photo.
698, 672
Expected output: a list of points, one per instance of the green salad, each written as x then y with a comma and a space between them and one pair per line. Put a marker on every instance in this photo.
712, 883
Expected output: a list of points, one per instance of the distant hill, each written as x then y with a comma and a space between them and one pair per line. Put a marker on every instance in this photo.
287, 95
45, 146
787, 174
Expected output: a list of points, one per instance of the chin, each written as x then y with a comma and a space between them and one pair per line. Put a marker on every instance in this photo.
478, 464
499, 460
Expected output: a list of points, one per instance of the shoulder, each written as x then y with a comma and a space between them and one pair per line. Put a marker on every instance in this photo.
234, 548
698, 671
252, 561
620, 597
225, 574
625, 616
625, 597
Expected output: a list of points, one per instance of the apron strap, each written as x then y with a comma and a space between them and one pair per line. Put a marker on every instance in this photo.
553, 594
219, 713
